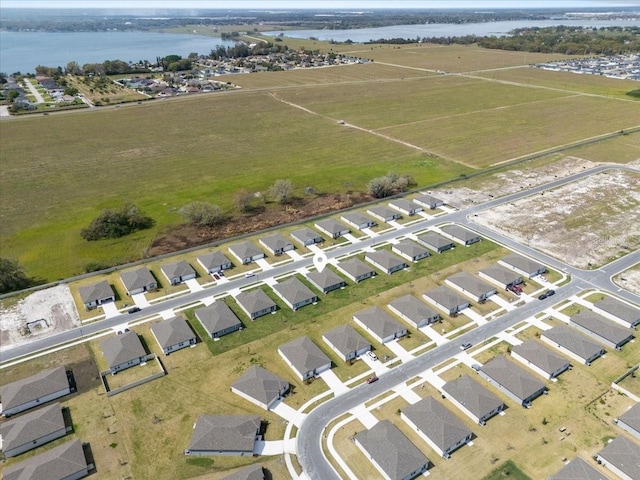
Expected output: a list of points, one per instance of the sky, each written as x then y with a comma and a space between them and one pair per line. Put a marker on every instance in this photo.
330, 4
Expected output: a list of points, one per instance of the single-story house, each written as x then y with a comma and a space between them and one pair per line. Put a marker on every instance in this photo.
123, 351
603, 330
577, 469
445, 299
630, 420
383, 213
436, 425
252, 472
429, 201
358, 220
260, 387
326, 280
295, 293
500, 276
405, 206
391, 452
434, 241
572, 343
622, 457
515, 382
65, 462
333, 228
276, 244
304, 357
225, 435
32, 429
410, 250
382, 326
470, 286
540, 359
523, 265
475, 400
137, 281
256, 303
178, 272
412, 310
461, 234
173, 334
214, 262
346, 342
623, 313
385, 261
246, 252
34, 391
218, 319
356, 270
306, 236
96, 294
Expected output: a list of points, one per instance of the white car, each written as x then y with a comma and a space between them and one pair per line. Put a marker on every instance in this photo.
372, 355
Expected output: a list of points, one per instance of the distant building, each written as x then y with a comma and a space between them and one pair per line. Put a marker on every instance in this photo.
540, 359
295, 293
255, 303
214, 262
471, 286
123, 351
333, 228
276, 244
96, 294
385, 261
523, 265
572, 343
501, 276
358, 220
260, 386
604, 331
435, 242
428, 201
307, 236
475, 400
346, 342
139, 280
218, 319
461, 234
446, 300
326, 281
178, 272
173, 334
356, 270
32, 429
630, 420
304, 357
34, 391
410, 250
623, 313
405, 207
225, 435
246, 252
65, 462
513, 381
383, 213
577, 469
412, 310
622, 457
382, 326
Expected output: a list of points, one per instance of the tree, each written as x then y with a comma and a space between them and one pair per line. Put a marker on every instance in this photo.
13, 276
73, 91
73, 69
116, 223
391, 183
202, 213
242, 200
281, 191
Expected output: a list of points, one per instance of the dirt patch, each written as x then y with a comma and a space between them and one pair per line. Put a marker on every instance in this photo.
85, 374
186, 236
586, 223
629, 280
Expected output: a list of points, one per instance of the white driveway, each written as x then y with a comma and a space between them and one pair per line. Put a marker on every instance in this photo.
110, 310
4, 111
263, 264
167, 314
314, 248
33, 91
273, 447
395, 224
502, 302
294, 255
369, 232
288, 413
364, 416
407, 393
476, 317
351, 238
208, 300
433, 379
193, 285
430, 332
377, 366
334, 383
140, 300
399, 351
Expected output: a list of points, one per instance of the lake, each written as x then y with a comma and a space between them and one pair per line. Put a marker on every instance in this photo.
24, 51
446, 29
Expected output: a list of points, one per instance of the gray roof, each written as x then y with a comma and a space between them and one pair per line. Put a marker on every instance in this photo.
601, 326
410, 248
304, 355
619, 309
260, 384
35, 386
472, 395
404, 204
428, 200
213, 259
434, 239
31, 426
252, 472
56, 464
332, 226
172, 332
501, 274
391, 450
512, 377
459, 232
324, 279
138, 278
275, 242
624, 455
95, 291
225, 433
255, 301
345, 339
217, 316
379, 321
578, 469
177, 269
384, 212
413, 309
433, 419
386, 259
245, 249
306, 234
355, 267
632, 417
573, 341
471, 284
522, 263
357, 218
294, 291
446, 297
540, 356
122, 348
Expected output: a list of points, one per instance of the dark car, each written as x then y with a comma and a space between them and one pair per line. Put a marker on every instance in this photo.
465, 346
134, 309
372, 379
550, 293
542, 297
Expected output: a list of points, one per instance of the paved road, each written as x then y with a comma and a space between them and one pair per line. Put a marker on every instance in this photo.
33, 91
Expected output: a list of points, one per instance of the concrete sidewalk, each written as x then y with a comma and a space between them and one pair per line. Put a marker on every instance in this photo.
288, 413
140, 300
399, 351
110, 310
334, 383
193, 285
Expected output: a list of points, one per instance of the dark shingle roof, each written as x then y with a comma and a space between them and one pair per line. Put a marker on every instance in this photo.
515, 379
172, 332
459, 232
434, 240
260, 384
213, 260
500, 274
412, 308
355, 267
306, 234
624, 455
225, 433
379, 321
346, 339
522, 263
138, 278
471, 284
540, 356
217, 316
304, 355
445, 297
632, 417
31, 426
472, 395
122, 348
35, 386
578, 469
325, 279
56, 464
385, 259
245, 249
95, 291
177, 269
252, 472
332, 226
410, 248
294, 291
255, 301
573, 341
619, 309
275, 242
602, 327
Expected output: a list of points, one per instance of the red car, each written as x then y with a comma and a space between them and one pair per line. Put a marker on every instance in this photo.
372, 379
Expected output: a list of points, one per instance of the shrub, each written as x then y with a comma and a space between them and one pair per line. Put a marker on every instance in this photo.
116, 223
202, 213
390, 184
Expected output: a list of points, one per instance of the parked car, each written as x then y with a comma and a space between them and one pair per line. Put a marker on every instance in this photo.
249, 274
372, 379
550, 293
216, 276
134, 309
465, 346
372, 355
542, 297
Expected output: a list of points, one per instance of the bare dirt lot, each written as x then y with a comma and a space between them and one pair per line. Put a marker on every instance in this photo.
586, 224
629, 280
